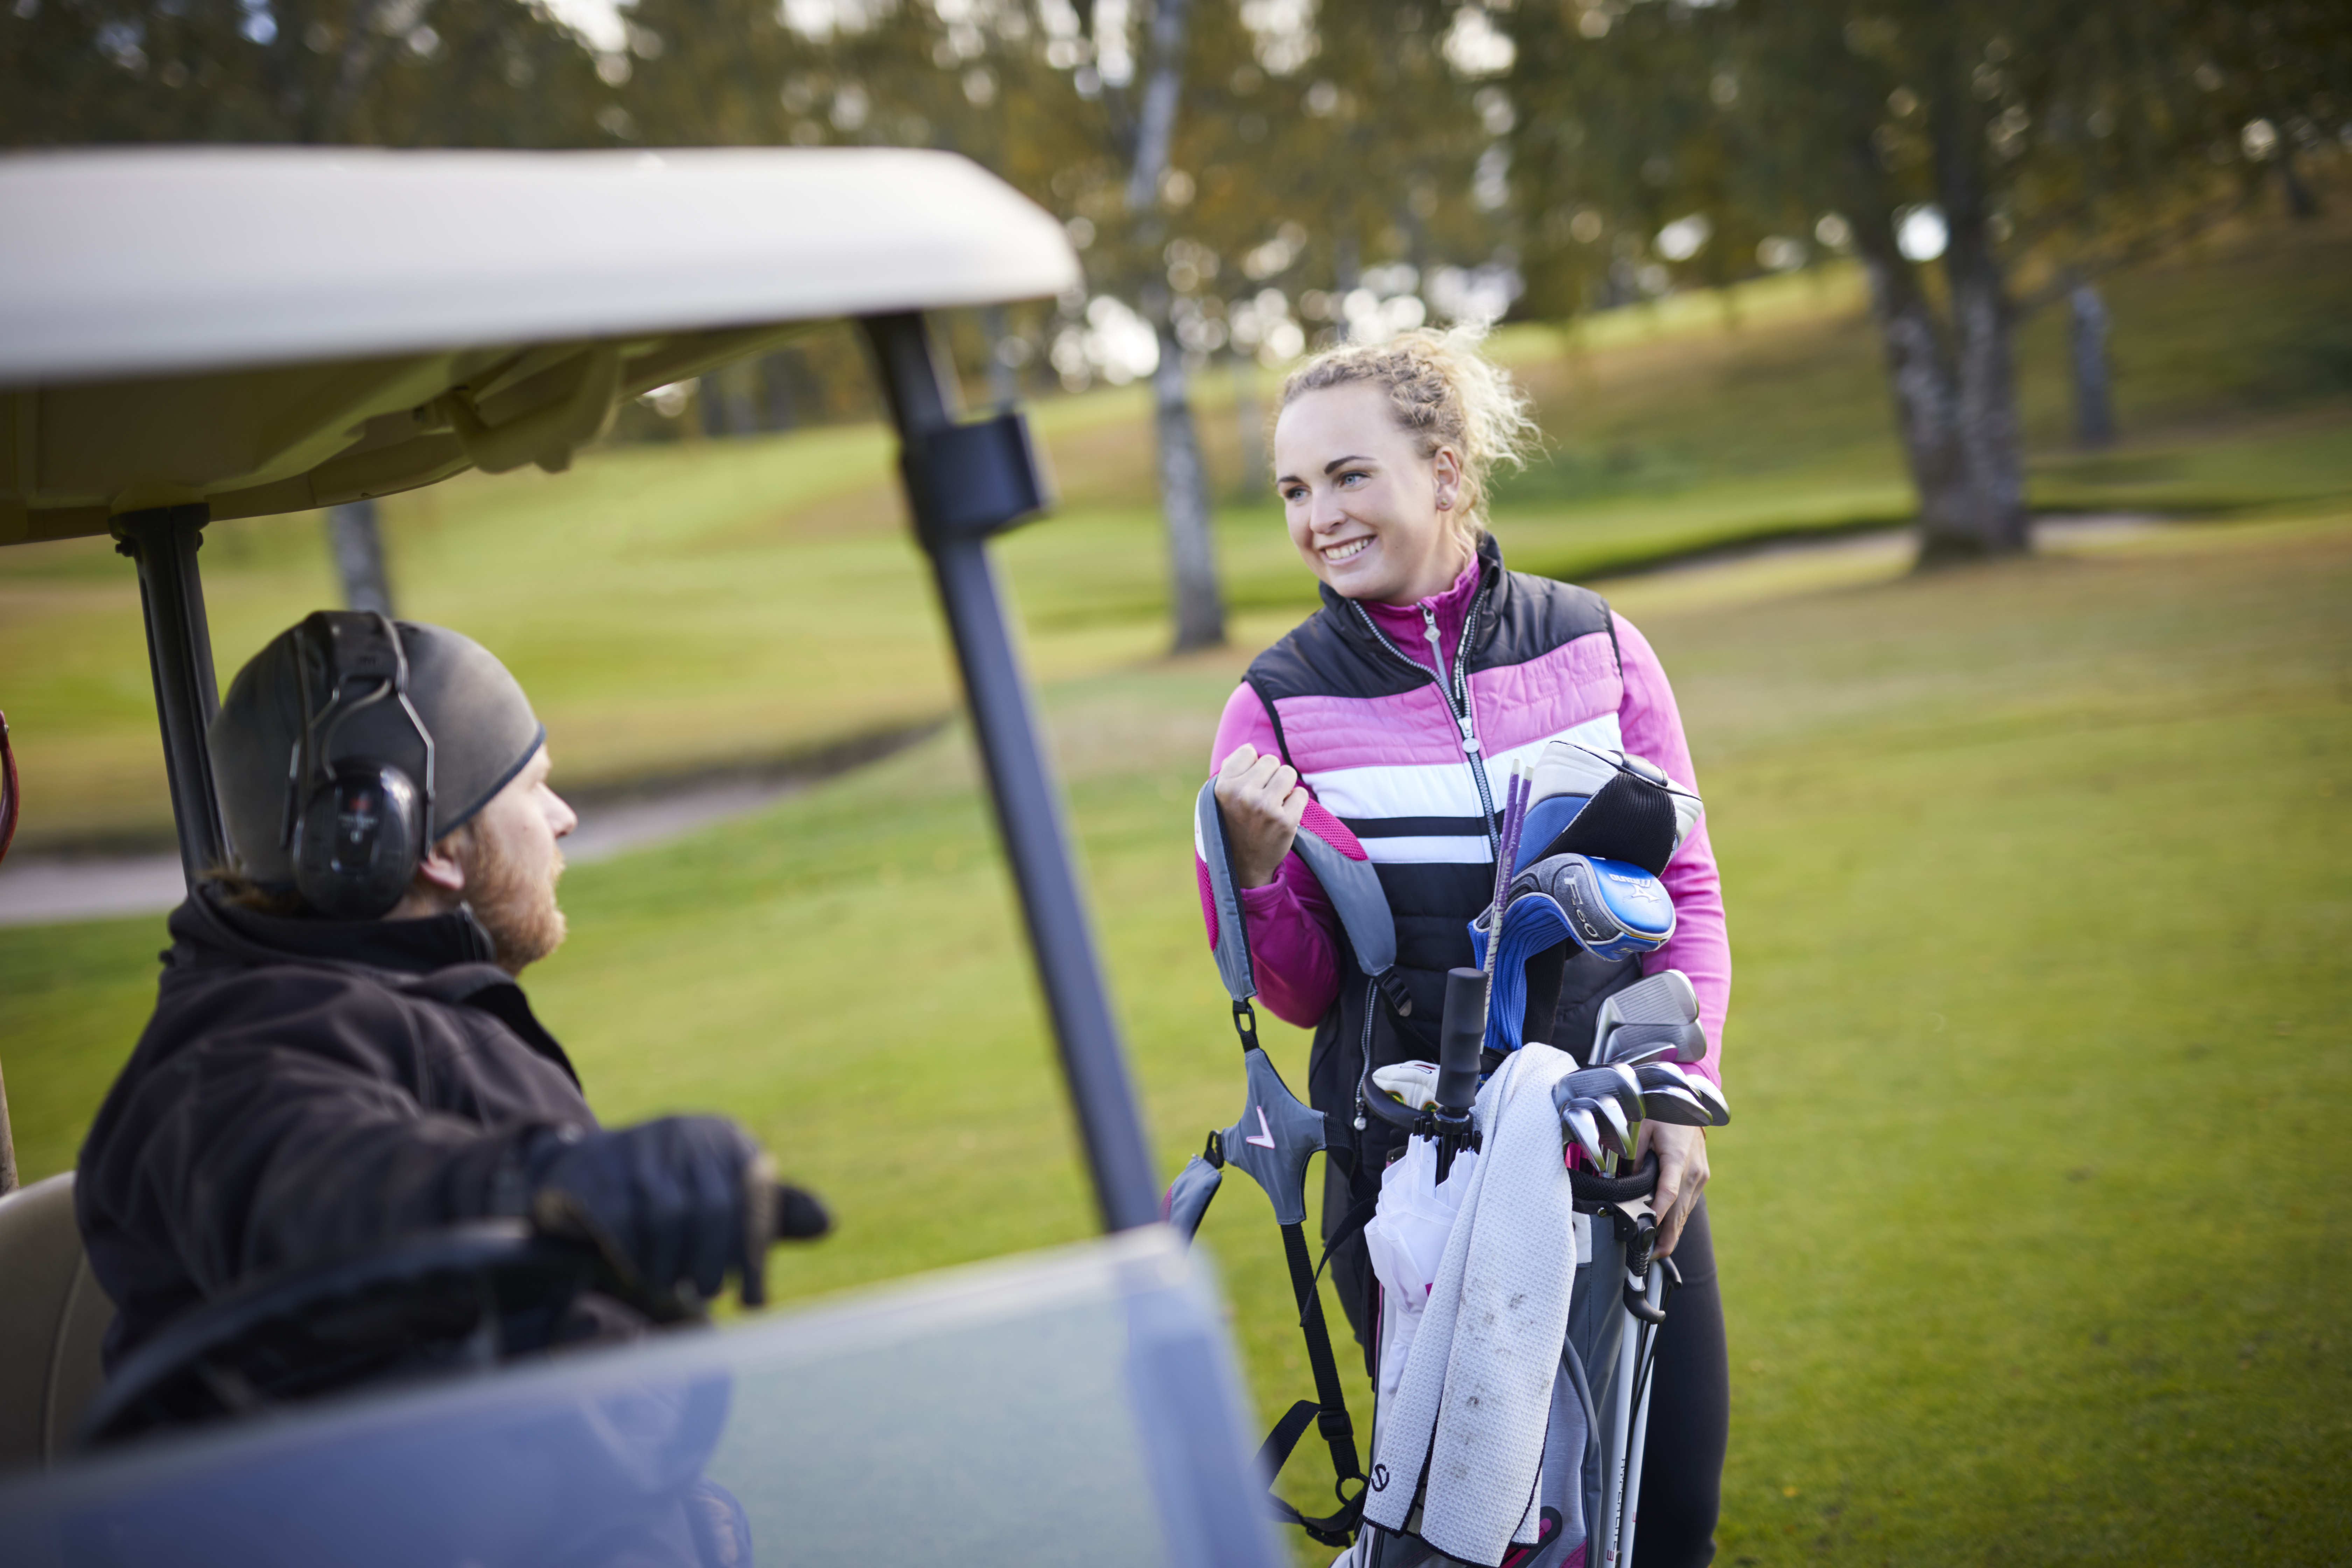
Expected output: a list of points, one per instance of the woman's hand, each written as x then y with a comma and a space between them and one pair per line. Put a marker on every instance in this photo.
1682, 1175
1262, 802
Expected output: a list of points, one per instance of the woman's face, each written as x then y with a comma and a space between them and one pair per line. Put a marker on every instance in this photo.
1368, 514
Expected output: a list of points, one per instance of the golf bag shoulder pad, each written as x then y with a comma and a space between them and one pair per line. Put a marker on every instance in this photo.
1339, 864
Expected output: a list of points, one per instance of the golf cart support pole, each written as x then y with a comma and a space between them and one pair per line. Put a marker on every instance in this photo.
163, 540
965, 483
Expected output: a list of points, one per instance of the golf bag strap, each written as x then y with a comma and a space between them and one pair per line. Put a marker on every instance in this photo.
1338, 1431
1331, 1528
1350, 1228
1229, 935
1341, 865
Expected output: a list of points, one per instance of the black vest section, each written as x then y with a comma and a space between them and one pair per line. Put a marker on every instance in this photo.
1515, 618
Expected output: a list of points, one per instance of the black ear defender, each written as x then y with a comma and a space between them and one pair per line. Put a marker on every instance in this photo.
357, 825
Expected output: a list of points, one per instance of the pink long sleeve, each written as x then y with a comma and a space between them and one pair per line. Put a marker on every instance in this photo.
1701, 948
1291, 924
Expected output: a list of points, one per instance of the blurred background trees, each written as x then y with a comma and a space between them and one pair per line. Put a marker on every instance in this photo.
1247, 179
2017, 149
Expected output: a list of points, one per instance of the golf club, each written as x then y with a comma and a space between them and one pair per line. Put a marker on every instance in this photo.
1667, 997
1618, 1082
1675, 1107
1635, 1044
1701, 1091
1578, 1123
1615, 1123
1711, 1098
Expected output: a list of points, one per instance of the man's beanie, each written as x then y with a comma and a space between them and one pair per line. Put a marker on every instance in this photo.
482, 727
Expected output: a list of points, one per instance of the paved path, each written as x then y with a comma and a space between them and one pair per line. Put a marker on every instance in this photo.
38, 890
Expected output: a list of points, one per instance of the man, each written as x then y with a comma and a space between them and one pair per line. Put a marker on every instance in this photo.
340, 1057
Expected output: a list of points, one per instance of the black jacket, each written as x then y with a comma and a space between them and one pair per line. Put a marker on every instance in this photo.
308, 1090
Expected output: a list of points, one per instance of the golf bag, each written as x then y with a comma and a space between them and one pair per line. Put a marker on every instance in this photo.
1590, 880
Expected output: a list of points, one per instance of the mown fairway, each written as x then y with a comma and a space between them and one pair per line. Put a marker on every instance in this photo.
2035, 1220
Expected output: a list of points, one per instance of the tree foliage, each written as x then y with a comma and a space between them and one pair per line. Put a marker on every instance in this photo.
1247, 178
2014, 146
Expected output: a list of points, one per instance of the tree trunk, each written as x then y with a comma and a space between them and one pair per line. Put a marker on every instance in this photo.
1920, 378
1163, 96
1184, 501
776, 381
742, 409
358, 544
1003, 387
2094, 411
1992, 456
712, 399
2299, 199
1183, 481
1249, 418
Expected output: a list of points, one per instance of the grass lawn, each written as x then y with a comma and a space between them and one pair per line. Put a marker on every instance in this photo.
2034, 1222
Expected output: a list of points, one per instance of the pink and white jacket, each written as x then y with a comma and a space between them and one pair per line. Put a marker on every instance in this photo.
1404, 722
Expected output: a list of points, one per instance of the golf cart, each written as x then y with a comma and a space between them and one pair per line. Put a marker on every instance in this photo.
187, 336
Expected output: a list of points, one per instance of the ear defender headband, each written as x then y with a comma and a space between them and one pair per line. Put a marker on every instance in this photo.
357, 825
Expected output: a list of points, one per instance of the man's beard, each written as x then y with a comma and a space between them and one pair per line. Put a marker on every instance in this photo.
519, 912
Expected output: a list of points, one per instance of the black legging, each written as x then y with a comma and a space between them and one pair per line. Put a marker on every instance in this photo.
1690, 1416
1690, 1393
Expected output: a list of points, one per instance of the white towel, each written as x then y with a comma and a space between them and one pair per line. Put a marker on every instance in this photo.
1476, 1396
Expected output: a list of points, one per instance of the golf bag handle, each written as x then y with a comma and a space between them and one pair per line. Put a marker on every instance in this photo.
1592, 1188
1614, 1196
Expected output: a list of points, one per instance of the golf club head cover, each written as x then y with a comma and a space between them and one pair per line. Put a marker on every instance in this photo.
1188, 1197
1594, 800
1612, 908
1412, 1085
1339, 864
1274, 1139
1608, 908
682, 1201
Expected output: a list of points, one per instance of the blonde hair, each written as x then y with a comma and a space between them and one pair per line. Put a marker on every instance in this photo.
1443, 392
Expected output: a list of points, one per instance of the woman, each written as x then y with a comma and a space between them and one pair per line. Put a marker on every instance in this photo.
1399, 706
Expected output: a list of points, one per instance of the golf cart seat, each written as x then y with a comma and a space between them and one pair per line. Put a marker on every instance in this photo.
53, 1322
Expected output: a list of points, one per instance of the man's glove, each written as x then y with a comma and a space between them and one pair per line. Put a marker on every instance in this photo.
672, 1204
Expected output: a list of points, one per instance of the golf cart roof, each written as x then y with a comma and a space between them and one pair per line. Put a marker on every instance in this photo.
273, 330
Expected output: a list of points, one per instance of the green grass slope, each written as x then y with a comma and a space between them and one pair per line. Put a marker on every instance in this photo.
2034, 1224
692, 607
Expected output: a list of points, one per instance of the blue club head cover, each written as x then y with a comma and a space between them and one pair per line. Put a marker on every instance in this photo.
1608, 908
1613, 909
